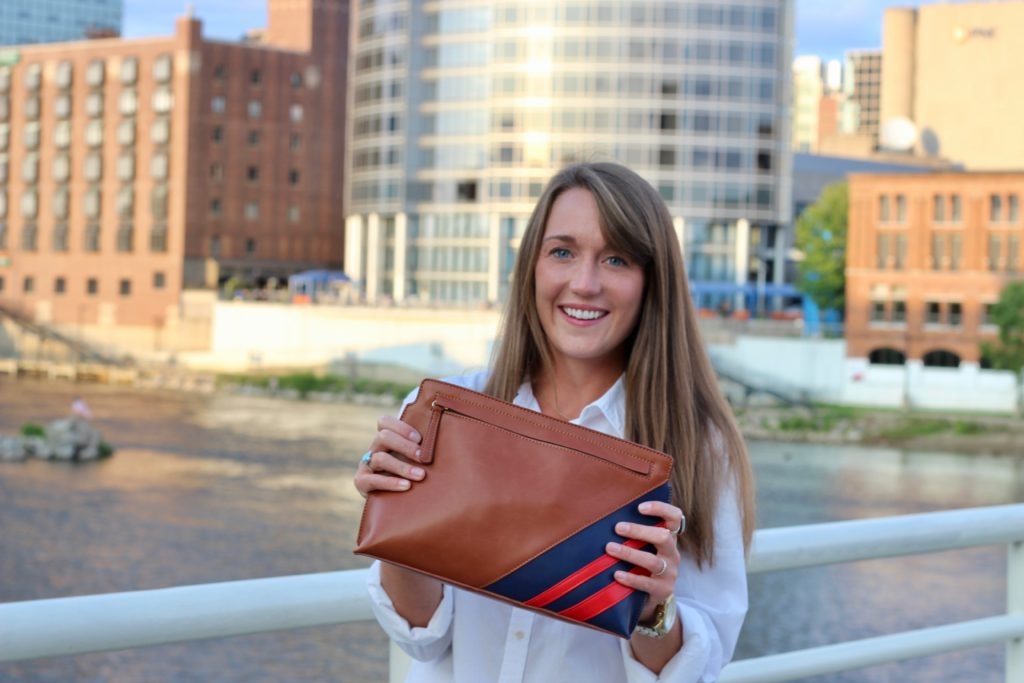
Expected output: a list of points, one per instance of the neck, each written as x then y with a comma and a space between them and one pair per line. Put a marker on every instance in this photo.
564, 391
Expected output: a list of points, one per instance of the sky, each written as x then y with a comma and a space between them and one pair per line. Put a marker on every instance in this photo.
823, 27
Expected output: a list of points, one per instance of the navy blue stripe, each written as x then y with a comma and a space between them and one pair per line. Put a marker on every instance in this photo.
569, 556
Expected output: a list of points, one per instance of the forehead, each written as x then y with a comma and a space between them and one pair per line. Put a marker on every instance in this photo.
573, 211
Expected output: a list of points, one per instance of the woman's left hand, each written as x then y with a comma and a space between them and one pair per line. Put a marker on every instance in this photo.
662, 562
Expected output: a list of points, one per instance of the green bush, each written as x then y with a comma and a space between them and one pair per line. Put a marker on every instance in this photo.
32, 429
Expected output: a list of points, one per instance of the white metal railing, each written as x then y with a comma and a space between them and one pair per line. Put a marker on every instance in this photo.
114, 621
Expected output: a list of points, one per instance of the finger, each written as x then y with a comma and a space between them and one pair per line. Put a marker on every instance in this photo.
382, 462
370, 481
654, 563
658, 536
673, 516
398, 437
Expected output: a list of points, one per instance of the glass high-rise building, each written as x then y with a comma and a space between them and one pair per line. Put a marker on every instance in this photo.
50, 21
460, 113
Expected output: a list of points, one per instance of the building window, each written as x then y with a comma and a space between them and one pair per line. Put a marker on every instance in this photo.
216, 171
955, 208
899, 311
158, 166
250, 247
126, 238
986, 314
61, 202
158, 238
877, 311
901, 208
295, 142
219, 72
59, 285
901, 252
933, 312
126, 132
255, 109
255, 77
1013, 208
215, 246
95, 72
883, 208
883, 251
163, 67
126, 167
938, 247
129, 70
60, 237
939, 209
126, 201
125, 287
92, 202
92, 286
94, 104
30, 236
293, 177
91, 241
217, 134
93, 166
294, 214
128, 102
159, 280
252, 211
955, 314
160, 130
253, 173
163, 100
995, 208
994, 244
218, 104
215, 206
1012, 254
28, 284
61, 168
64, 74
956, 249
158, 201
254, 138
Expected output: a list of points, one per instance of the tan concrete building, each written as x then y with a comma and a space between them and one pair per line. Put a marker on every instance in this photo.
927, 256
131, 170
953, 70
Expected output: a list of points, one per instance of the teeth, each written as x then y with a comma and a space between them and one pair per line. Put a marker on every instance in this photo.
580, 314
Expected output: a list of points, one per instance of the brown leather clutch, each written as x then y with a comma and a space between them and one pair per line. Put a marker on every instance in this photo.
518, 506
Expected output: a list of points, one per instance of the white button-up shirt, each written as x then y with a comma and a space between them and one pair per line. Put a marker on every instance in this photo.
474, 639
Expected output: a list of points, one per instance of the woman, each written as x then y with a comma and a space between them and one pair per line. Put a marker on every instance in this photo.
600, 330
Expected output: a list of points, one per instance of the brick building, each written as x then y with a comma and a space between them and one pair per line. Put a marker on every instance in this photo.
131, 170
927, 256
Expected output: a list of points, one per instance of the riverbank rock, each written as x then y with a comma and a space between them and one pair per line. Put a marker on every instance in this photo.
70, 438
73, 438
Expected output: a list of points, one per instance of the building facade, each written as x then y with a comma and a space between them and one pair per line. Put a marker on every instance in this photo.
133, 169
927, 256
460, 114
952, 69
50, 21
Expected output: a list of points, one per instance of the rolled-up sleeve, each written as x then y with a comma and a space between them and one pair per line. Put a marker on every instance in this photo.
425, 643
712, 604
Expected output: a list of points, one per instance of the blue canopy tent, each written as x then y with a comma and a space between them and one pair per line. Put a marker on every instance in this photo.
314, 283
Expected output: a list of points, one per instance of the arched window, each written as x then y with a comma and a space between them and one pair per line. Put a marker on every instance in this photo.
887, 356
941, 359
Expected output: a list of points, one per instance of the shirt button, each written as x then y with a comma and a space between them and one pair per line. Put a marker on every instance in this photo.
520, 635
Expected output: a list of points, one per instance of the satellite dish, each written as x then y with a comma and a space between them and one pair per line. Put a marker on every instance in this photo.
898, 134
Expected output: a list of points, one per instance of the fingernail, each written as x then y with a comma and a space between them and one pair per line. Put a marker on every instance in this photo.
614, 547
622, 527
645, 507
419, 453
404, 484
416, 472
415, 436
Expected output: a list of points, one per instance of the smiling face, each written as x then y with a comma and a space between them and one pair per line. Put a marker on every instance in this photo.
588, 294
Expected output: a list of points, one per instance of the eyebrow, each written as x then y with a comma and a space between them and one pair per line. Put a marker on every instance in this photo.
560, 238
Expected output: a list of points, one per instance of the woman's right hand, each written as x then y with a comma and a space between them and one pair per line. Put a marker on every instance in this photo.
385, 470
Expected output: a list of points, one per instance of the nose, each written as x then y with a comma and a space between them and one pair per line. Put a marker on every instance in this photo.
586, 278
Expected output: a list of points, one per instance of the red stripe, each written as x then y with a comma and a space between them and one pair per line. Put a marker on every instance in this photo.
582, 575
602, 600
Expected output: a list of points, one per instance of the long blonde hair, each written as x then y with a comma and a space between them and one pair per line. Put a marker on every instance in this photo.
673, 402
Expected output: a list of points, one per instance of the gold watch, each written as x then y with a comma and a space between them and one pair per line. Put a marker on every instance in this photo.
662, 622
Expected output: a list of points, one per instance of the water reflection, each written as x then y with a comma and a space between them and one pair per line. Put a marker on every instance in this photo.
216, 488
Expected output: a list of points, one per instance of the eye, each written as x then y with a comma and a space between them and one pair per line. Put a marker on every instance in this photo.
617, 261
560, 252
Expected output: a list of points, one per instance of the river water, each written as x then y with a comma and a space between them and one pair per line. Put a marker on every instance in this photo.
207, 488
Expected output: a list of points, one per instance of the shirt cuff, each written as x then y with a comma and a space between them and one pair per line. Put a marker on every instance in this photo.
689, 665
420, 642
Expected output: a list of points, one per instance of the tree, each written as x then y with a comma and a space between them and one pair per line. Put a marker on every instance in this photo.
821, 236
1008, 314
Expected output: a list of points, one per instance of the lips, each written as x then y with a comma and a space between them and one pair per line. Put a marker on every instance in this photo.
584, 314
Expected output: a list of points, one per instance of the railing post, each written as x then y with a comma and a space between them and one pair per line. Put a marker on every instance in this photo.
1015, 605
398, 663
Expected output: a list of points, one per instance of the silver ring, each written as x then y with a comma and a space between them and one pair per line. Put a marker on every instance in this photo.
664, 566
682, 526
367, 456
